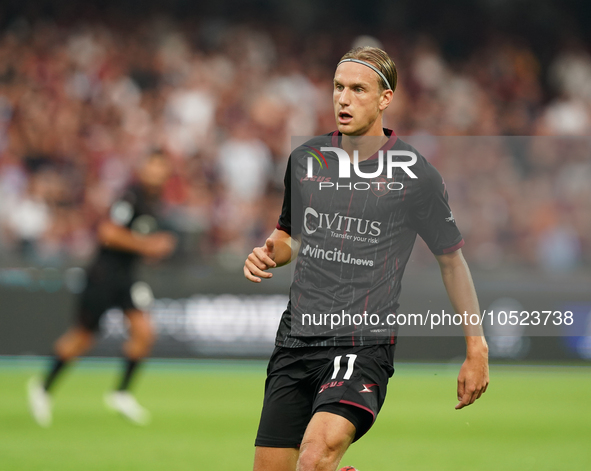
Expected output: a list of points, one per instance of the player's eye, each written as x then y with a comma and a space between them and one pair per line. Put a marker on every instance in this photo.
358, 89
338, 87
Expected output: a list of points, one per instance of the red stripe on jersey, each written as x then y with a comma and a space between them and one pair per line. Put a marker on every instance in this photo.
335, 139
298, 302
283, 228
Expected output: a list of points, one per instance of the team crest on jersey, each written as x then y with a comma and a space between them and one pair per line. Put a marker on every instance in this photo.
381, 186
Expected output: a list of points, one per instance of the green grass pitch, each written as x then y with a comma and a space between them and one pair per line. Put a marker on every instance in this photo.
205, 415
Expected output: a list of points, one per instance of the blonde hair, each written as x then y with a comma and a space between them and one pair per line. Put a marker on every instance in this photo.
378, 58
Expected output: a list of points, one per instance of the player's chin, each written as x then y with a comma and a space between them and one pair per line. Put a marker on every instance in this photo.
347, 128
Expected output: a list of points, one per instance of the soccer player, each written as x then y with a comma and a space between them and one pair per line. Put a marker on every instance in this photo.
131, 232
325, 387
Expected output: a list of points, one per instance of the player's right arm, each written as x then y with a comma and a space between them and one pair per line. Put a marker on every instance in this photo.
116, 237
276, 252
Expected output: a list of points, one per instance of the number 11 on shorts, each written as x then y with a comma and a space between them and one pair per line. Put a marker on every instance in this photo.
350, 364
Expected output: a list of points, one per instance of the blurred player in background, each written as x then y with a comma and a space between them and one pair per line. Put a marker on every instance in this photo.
131, 232
325, 391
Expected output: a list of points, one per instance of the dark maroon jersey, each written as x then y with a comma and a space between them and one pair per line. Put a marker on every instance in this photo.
357, 234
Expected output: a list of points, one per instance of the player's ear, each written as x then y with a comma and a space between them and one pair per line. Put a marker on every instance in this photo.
385, 99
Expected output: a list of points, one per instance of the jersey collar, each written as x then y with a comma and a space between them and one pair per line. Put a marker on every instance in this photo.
392, 138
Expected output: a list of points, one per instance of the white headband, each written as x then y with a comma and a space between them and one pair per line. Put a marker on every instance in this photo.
375, 69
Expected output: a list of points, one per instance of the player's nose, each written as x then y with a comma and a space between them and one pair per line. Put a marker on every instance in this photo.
345, 97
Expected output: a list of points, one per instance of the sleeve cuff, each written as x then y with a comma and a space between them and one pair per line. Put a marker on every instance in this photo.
283, 228
453, 248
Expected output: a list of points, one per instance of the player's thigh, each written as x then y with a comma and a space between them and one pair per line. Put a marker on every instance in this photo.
333, 431
355, 384
288, 400
287, 409
275, 459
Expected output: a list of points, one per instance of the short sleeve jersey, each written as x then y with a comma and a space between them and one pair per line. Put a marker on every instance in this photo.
357, 235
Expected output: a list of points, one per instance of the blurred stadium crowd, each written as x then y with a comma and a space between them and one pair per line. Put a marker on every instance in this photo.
80, 105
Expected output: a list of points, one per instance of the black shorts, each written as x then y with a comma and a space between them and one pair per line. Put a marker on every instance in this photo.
105, 289
347, 381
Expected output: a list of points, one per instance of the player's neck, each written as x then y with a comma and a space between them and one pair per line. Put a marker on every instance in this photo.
367, 144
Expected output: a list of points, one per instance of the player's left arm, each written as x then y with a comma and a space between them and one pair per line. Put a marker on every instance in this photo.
473, 378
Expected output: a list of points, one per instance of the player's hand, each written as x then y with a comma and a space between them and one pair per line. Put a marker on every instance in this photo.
159, 245
473, 379
259, 260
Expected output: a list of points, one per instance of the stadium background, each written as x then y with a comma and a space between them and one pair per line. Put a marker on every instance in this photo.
87, 87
